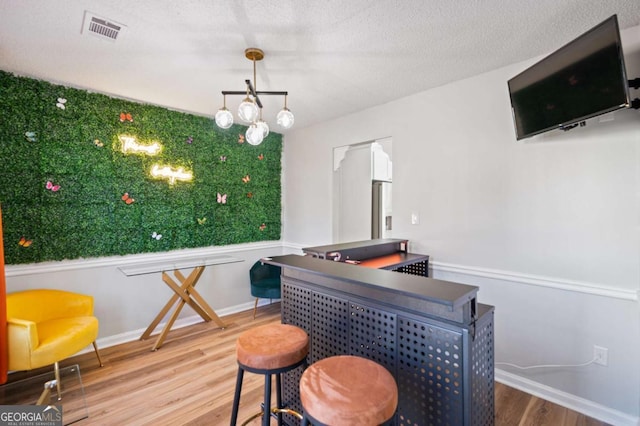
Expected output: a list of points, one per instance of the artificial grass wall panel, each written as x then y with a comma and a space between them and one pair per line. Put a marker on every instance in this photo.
69, 191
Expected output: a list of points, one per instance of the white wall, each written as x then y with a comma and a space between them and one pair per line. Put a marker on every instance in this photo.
546, 227
352, 187
125, 306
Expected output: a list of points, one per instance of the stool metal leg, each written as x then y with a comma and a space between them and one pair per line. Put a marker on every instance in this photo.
236, 397
266, 414
279, 398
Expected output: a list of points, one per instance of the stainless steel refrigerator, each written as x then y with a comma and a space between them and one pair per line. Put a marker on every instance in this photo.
381, 217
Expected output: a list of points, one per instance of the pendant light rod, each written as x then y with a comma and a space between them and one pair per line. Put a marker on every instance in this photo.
254, 93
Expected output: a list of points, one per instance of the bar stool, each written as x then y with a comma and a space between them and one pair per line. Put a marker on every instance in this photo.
347, 390
269, 349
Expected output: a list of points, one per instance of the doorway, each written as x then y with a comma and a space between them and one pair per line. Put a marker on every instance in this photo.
362, 190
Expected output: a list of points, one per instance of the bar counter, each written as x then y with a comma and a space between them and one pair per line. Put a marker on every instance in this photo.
432, 335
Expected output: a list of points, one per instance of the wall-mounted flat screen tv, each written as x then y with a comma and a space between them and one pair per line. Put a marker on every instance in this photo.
583, 79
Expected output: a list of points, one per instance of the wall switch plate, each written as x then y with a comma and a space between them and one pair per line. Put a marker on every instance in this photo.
415, 218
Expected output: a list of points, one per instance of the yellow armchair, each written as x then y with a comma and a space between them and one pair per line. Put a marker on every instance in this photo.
47, 326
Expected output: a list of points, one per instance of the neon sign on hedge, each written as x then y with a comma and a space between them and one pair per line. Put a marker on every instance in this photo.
130, 145
171, 174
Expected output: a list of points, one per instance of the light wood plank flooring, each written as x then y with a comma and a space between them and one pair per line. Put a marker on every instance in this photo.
191, 379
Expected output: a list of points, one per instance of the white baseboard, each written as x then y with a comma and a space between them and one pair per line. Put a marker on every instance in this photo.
581, 405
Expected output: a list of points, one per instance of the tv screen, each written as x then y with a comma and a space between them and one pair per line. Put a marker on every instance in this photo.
583, 79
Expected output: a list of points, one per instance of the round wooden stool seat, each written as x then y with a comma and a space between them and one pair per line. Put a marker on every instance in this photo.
348, 390
272, 347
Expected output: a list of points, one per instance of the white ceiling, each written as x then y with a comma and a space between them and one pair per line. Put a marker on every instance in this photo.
333, 56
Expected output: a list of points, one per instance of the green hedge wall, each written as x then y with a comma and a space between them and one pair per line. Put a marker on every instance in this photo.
77, 150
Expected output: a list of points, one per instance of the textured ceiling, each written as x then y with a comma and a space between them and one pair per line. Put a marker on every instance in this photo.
333, 56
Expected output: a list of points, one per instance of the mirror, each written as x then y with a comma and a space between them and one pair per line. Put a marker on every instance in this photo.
362, 190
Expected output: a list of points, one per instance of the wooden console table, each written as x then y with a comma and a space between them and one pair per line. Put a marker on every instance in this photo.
185, 293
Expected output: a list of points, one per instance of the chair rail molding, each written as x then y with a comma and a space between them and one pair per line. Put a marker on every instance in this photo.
176, 255
538, 280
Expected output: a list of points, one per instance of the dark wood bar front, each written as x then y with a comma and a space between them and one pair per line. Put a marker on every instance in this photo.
432, 335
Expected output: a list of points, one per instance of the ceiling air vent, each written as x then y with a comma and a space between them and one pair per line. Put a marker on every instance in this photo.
101, 27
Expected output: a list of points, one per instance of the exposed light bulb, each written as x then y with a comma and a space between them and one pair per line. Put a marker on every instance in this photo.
254, 134
224, 118
264, 127
248, 110
285, 118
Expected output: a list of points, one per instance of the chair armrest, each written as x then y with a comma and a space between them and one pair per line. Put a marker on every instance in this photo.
22, 339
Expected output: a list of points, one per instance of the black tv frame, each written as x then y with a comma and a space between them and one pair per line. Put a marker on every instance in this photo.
522, 131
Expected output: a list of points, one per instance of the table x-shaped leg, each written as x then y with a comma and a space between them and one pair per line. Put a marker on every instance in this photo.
185, 293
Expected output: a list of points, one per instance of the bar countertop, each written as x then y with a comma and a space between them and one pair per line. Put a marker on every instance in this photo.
451, 295
356, 244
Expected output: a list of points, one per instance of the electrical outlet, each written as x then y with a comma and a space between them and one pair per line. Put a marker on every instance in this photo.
600, 355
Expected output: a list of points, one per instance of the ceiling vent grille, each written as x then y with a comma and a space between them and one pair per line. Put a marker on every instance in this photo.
101, 27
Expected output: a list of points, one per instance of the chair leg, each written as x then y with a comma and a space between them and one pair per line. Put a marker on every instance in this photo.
44, 396
255, 307
95, 348
56, 373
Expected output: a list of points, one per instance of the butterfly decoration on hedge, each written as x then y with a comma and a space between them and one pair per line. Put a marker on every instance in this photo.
222, 198
31, 136
240, 138
127, 199
126, 117
98, 143
223, 158
263, 227
190, 139
51, 186
156, 236
202, 221
249, 194
24, 242
246, 179
61, 103
260, 157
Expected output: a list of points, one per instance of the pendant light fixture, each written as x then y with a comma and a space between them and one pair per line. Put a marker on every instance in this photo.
263, 125
285, 117
224, 118
250, 110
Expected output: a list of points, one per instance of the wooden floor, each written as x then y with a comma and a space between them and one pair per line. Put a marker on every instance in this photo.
191, 379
